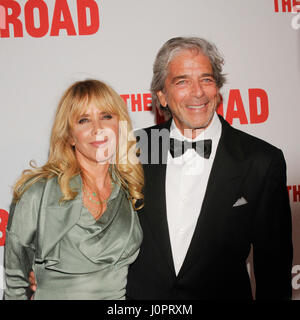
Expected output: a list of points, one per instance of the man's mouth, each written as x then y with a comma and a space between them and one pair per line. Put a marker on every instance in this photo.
197, 107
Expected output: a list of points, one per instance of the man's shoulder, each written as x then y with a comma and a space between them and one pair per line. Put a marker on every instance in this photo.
249, 143
254, 140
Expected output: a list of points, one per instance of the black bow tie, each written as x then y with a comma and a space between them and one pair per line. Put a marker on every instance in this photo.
178, 147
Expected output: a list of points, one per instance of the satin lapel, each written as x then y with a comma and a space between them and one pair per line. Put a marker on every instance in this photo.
223, 183
155, 179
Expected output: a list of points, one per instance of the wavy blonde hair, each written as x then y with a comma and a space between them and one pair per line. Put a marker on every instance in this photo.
62, 162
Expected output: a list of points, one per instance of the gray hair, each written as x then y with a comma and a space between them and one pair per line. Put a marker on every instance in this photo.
173, 47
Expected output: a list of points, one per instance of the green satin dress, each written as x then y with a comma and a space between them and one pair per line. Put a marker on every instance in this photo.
73, 255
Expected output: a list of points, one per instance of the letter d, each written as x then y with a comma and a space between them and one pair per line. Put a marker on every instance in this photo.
83, 28
255, 115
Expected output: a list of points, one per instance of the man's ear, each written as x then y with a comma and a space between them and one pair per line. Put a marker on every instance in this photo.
162, 98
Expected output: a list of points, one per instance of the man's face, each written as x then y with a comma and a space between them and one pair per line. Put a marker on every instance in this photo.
190, 92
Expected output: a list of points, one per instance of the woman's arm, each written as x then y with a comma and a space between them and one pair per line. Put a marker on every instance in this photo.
20, 244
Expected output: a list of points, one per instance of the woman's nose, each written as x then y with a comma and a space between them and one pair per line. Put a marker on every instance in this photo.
97, 127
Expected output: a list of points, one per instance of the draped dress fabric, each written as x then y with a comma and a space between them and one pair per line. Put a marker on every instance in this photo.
73, 255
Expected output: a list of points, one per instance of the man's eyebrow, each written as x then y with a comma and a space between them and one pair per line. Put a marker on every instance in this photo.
207, 75
185, 76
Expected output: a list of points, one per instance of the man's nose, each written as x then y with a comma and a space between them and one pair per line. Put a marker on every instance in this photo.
197, 89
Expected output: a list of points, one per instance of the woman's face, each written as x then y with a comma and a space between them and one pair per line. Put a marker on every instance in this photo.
95, 135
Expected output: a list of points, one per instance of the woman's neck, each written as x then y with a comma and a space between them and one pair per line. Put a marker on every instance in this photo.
96, 173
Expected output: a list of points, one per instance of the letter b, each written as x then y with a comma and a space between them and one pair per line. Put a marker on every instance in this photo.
3, 223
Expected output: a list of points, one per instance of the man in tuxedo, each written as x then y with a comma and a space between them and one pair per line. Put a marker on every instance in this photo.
211, 192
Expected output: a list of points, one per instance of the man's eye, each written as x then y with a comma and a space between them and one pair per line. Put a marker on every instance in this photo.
181, 82
207, 80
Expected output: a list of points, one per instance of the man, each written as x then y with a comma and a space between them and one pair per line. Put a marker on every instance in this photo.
205, 208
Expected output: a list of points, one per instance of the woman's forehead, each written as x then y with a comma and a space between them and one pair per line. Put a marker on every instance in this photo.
89, 105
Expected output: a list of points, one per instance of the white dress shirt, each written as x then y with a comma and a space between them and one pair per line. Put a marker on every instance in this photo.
186, 182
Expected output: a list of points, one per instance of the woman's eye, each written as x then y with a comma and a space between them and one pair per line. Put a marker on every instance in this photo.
107, 116
83, 120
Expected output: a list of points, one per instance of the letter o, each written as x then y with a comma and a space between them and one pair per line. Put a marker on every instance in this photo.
29, 18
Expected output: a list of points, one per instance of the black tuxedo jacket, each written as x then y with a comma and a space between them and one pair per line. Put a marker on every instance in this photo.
215, 264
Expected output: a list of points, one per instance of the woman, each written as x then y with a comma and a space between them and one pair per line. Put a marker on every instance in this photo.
74, 222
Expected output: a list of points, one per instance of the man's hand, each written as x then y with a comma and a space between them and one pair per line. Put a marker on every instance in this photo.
32, 281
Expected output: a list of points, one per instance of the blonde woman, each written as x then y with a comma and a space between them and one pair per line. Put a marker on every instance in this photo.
74, 221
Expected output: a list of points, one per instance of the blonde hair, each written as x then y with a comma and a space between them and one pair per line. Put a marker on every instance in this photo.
62, 162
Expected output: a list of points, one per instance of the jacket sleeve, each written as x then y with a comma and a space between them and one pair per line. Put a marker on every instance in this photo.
20, 244
272, 231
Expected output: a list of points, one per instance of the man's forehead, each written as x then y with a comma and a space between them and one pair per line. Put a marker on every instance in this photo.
185, 51
185, 60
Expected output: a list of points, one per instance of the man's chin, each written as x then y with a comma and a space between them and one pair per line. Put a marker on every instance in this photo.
201, 125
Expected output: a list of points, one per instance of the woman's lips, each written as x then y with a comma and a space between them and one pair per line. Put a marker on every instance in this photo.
99, 143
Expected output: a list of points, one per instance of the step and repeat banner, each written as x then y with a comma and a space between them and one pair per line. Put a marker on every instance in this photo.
47, 45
